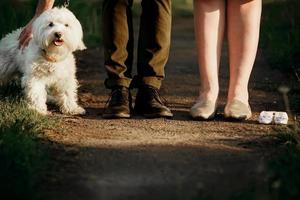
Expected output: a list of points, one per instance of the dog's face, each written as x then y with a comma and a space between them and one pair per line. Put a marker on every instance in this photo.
58, 31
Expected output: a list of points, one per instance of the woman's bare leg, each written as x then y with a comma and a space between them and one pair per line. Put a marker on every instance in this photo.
243, 22
209, 31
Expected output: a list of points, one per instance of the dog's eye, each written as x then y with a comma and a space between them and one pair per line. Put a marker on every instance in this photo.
51, 24
67, 25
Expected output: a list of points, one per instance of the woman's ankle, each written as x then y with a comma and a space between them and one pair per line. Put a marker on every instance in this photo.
208, 95
244, 98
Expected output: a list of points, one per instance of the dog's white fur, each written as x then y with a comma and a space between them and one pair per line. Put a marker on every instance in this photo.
47, 70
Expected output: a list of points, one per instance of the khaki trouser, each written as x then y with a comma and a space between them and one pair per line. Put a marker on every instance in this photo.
153, 43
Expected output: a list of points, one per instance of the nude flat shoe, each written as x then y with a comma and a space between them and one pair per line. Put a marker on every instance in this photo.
237, 110
203, 110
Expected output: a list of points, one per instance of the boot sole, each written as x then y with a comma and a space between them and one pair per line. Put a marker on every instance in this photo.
116, 116
158, 115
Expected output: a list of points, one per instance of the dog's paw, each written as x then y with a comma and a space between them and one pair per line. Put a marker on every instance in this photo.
78, 111
75, 111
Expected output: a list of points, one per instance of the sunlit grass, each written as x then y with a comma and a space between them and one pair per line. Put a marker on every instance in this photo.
13, 108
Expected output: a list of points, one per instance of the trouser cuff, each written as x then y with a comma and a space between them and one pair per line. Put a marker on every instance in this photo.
113, 83
153, 81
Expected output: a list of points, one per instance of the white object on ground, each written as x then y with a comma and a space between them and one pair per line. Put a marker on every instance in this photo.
266, 117
281, 118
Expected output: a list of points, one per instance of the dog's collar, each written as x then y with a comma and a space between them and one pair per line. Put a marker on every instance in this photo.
47, 57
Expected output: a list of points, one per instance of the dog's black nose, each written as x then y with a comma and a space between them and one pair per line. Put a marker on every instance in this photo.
58, 34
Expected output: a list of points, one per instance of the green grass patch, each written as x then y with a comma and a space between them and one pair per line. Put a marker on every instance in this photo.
23, 159
13, 108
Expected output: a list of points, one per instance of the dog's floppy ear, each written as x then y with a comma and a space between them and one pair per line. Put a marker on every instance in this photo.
81, 46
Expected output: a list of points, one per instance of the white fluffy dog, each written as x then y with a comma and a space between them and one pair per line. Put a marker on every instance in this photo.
47, 65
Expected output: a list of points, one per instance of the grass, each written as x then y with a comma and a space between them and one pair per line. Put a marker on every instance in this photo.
284, 178
280, 37
23, 159
22, 162
13, 108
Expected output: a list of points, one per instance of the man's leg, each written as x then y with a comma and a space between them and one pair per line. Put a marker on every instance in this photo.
118, 52
118, 42
154, 41
153, 53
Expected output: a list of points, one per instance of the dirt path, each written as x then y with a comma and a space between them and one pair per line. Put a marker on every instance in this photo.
163, 159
